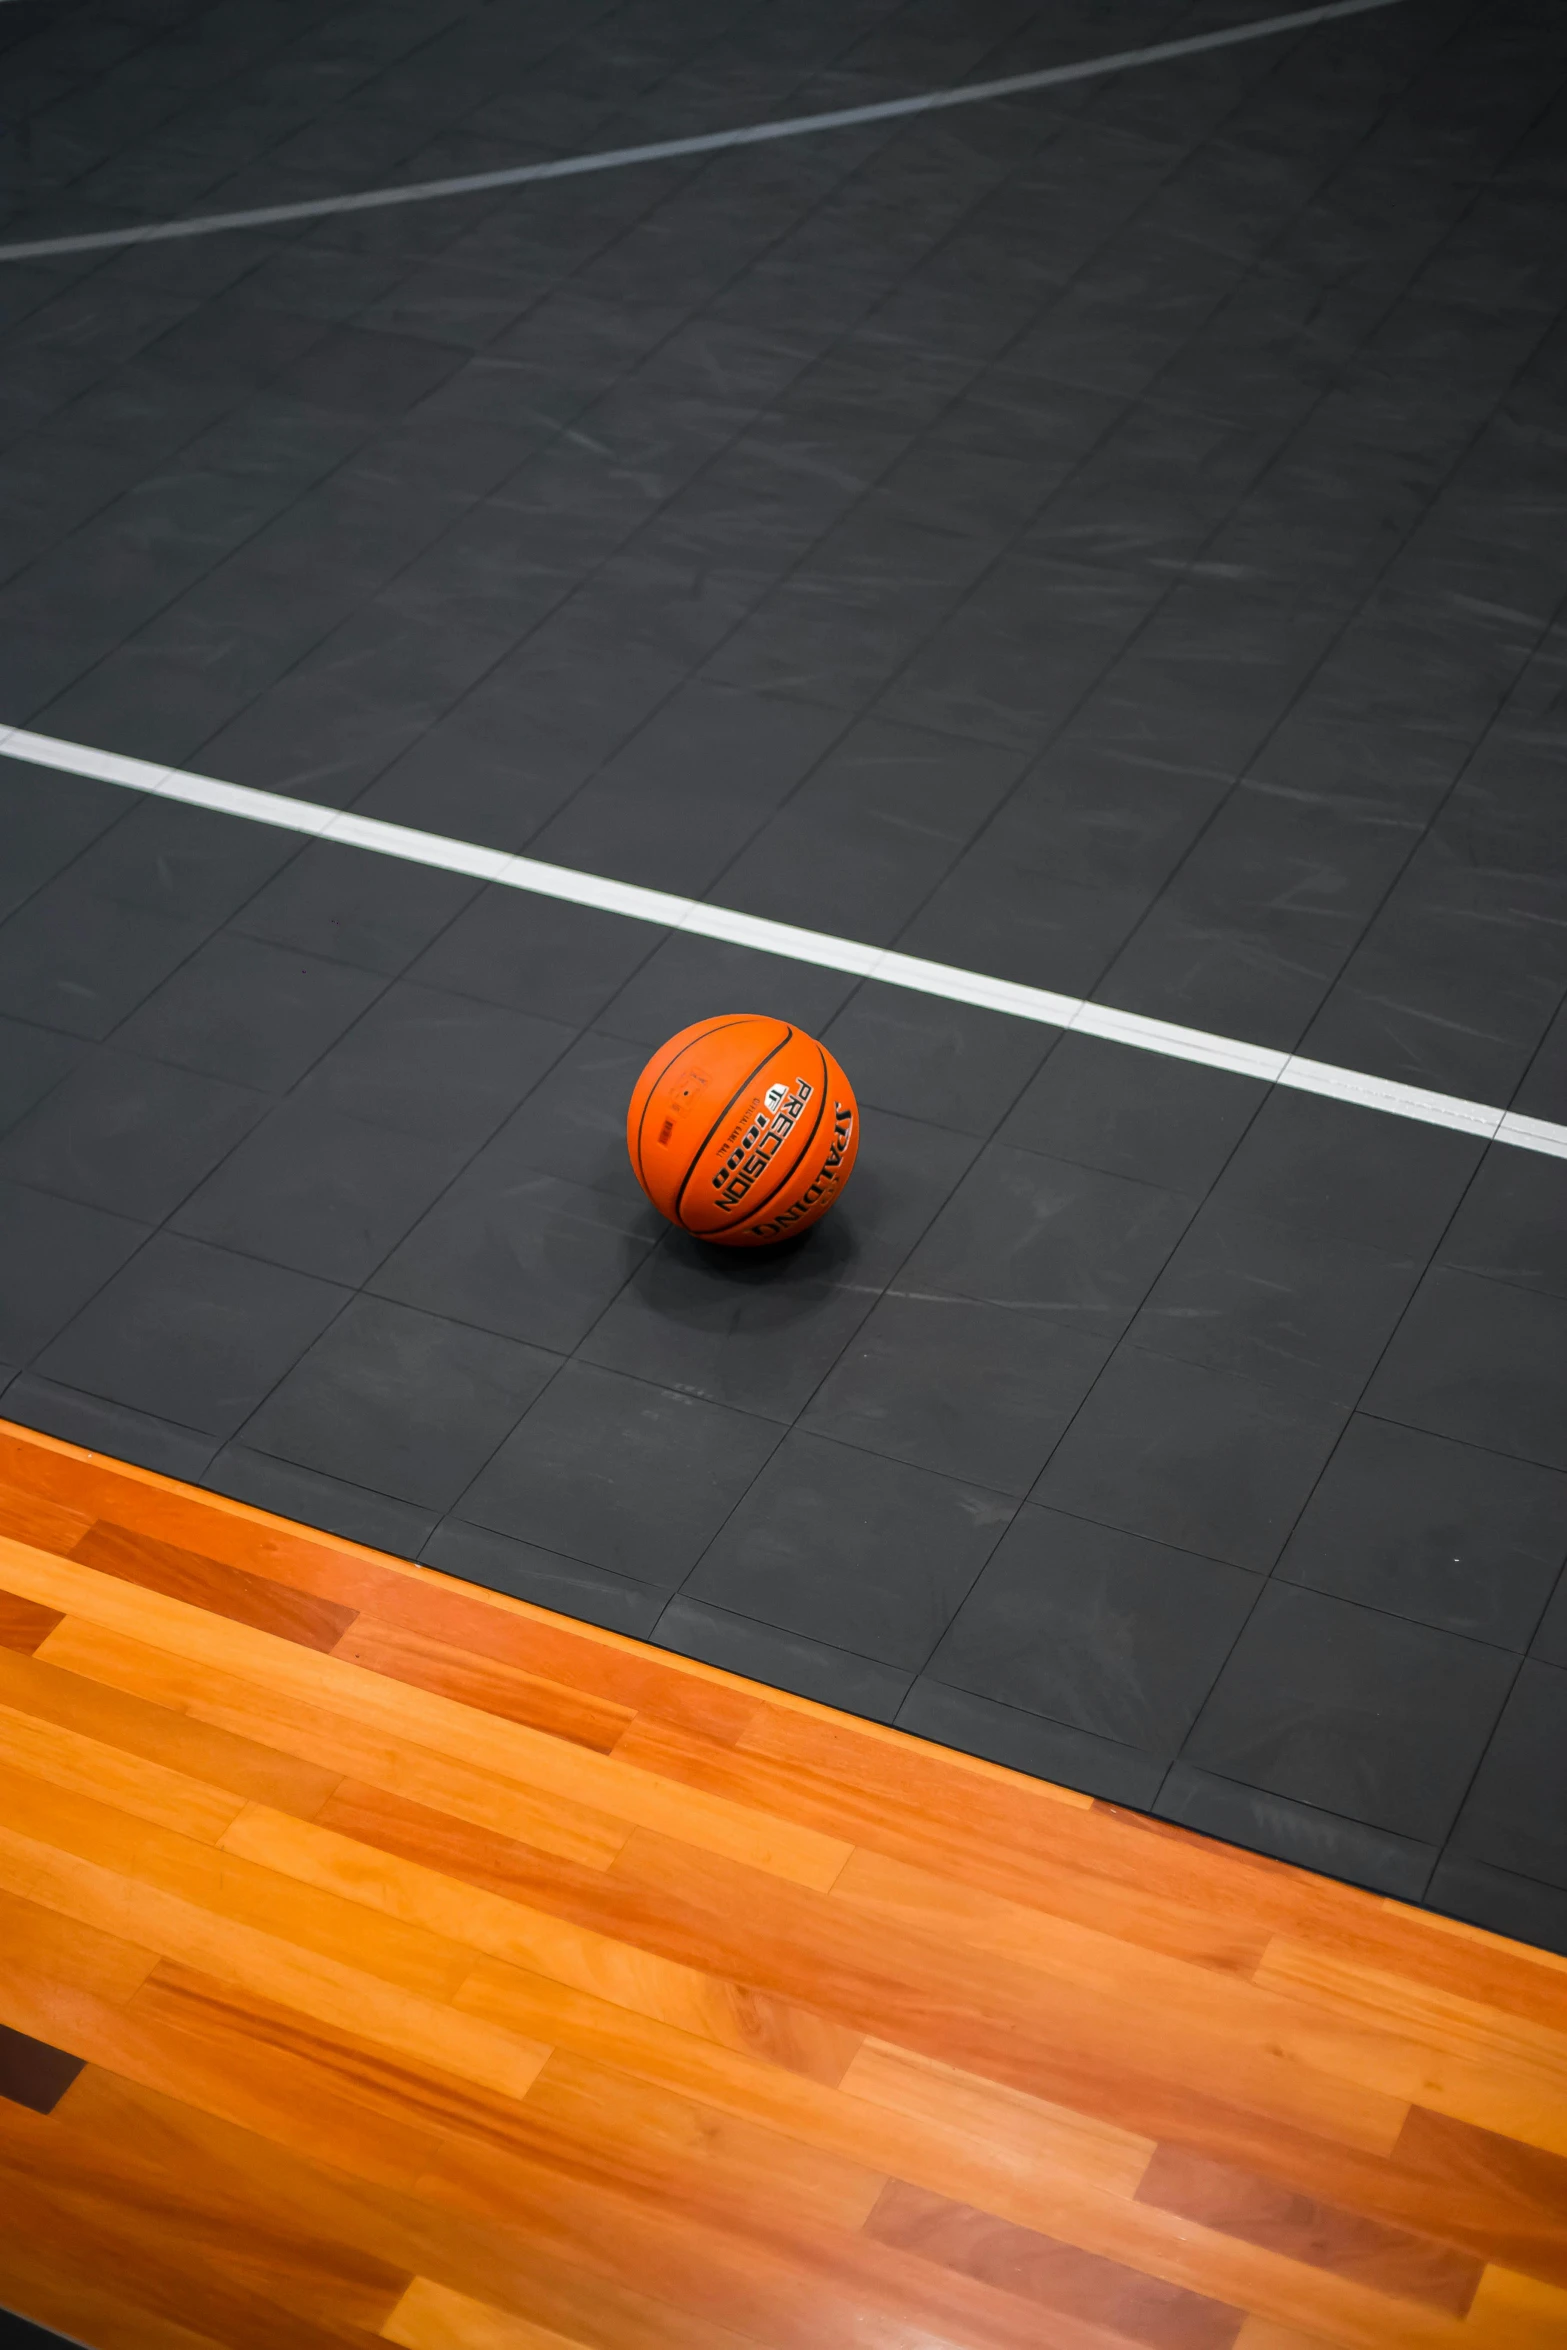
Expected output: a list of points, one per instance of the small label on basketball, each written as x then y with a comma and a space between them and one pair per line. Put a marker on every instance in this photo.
763, 1138
666, 1130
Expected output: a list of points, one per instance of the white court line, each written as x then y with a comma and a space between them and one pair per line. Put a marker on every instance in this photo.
1261, 1061
208, 224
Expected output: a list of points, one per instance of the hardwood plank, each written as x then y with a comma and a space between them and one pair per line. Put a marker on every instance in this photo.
935, 1779
483, 1682
35, 1518
339, 2099
38, 2285
1059, 2277
908, 1895
539, 2225
716, 2008
1159, 2245
1419, 1948
790, 2285
86, 1766
235, 1592
287, 2189
463, 1847
998, 2127
1499, 2071
314, 1734
149, 1861
46, 1470
1479, 1938
1090, 2045
870, 1811
286, 2192
433, 2317
187, 2242
578, 1656
1511, 2309
760, 1935
1414, 2043
674, 2137
1260, 2333
325, 1987
976, 1833
374, 2113
283, 2188
1045, 2179
1515, 2195
1243, 2203
23, 1624
183, 2297
490, 1623
578, 2310
64, 1951
41, 1687
526, 1757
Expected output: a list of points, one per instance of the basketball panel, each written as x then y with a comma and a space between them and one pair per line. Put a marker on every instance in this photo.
755, 1150
684, 1096
658, 1073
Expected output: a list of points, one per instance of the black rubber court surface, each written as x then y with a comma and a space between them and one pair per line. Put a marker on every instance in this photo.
1113, 539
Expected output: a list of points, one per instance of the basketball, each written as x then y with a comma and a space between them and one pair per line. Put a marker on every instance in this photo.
742, 1130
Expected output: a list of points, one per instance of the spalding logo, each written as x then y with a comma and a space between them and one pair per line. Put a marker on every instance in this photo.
782, 1105
842, 1136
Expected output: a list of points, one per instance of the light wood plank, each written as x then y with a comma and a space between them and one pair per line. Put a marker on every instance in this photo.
1464, 2057
86, 1766
77, 1701
63, 1950
1511, 2309
432, 2317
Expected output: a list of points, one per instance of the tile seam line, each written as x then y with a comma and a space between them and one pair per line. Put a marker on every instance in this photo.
704, 143
1269, 1064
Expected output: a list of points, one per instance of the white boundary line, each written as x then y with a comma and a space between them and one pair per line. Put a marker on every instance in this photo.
755, 134
1264, 1062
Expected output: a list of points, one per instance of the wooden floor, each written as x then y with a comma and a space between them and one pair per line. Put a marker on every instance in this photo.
384, 1960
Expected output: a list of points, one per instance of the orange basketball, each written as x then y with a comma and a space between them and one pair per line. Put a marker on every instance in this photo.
742, 1130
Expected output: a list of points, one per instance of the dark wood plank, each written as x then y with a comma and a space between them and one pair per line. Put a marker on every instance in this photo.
483, 1682
1059, 2277
243, 1597
1262, 2211
24, 1625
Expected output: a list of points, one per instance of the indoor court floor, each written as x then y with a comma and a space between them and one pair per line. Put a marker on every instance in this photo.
1110, 539
390, 1961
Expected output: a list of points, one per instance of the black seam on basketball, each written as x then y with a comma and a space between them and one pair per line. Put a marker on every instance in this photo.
786, 1038
717, 1029
755, 1207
